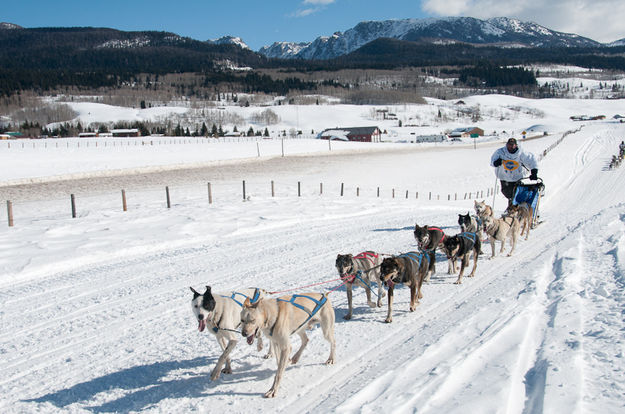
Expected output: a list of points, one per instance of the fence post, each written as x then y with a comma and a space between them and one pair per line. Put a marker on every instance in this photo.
10, 212
243, 190
320, 188
378, 192
273, 191
210, 194
341, 189
406, 194
430, 196
167, 195
258, 149
417, 196
283, 147
73, 200
357, 191
393, 193
299, 189
124, 206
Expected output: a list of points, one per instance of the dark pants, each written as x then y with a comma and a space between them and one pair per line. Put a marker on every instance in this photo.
507, 189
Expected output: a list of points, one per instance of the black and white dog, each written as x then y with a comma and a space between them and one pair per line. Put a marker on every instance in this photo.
460, 247
221, 314
471, 224
428, 239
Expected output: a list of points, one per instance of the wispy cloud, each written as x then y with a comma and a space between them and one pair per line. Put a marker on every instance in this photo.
305, 12
319, 2
317, 5
600, 20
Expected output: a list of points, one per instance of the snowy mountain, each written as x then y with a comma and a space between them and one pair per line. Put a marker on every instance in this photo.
499, 31
620, 42
229, 40
9, 26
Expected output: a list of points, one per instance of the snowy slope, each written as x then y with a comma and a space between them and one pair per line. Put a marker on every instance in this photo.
96, 310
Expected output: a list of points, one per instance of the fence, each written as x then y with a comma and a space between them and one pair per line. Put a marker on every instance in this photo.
107, 202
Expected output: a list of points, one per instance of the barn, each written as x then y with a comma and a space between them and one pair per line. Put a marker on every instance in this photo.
360, 134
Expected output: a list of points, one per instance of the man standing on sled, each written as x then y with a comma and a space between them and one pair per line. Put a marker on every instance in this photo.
510, 162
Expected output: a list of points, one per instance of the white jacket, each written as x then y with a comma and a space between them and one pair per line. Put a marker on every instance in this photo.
513, 166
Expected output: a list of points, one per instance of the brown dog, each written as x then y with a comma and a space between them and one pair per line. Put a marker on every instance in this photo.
280, 318
409, 269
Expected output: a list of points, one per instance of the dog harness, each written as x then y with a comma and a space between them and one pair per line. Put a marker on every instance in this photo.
318, 304
412, 255
469, 236
235, 294
367, 255
216, 328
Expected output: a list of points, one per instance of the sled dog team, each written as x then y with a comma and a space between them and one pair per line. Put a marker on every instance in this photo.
251, 313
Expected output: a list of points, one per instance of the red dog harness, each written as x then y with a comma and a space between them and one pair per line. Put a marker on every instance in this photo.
367, 255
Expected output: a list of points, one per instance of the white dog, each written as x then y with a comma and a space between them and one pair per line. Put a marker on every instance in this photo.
280, 318
221, 314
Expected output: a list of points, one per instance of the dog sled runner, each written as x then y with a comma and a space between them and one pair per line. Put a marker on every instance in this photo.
530, 191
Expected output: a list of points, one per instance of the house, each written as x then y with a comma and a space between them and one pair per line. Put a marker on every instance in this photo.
466, 132
361, 134
87, 134
132, 132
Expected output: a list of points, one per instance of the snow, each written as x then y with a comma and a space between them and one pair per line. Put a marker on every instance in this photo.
95, 310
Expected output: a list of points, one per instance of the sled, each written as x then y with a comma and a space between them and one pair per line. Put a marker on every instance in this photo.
529, 191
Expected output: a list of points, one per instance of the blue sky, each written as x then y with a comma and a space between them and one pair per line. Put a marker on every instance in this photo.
260, 23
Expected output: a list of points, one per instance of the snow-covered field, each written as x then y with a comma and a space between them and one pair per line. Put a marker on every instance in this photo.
95, 311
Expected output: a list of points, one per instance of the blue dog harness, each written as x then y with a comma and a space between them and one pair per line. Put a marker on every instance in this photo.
416, 257
234, 295
318, 304
469, 236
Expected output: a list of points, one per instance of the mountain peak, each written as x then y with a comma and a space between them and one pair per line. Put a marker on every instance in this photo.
501, 31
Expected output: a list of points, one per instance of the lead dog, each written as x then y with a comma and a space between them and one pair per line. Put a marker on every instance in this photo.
501, 229
280, 318
408, 268
368, 264
460, 247
221, 314
428, 239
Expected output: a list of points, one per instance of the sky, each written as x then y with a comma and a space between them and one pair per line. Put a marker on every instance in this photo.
96, 310
263, 23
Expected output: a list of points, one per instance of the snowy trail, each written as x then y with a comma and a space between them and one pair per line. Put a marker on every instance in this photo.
528, 334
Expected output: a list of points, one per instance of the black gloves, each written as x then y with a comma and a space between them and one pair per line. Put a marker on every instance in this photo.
497, 162
534, 174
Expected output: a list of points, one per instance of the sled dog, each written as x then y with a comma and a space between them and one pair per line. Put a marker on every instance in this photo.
428, 239
460, 246
220, 313
280, 318
471, 224
360, 270
482, 209
500, 229
524, 213
408, 268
